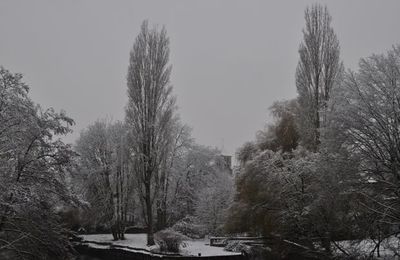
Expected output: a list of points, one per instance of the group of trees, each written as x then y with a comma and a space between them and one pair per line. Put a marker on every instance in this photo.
192, 181
327, 169
103, 175
34, 164
148, 171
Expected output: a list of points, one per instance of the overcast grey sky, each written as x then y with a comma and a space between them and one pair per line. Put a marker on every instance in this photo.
231, 59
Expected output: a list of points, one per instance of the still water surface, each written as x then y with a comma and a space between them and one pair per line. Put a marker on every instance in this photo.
86, 257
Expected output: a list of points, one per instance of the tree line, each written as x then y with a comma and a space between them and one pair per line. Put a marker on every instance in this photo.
145, 173
327, 168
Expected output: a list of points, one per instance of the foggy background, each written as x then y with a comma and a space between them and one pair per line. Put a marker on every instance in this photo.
231, 59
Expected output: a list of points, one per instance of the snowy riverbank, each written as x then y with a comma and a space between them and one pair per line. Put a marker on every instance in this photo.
137, 242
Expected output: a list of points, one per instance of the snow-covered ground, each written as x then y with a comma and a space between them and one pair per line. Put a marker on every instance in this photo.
138, 241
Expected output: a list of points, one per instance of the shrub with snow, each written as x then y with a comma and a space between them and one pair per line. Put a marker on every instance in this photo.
188, 226
169, 240
254, 252
236, 246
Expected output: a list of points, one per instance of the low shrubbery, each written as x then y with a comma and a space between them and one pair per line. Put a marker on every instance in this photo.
169, 240
188, 226
236, 246
254, 252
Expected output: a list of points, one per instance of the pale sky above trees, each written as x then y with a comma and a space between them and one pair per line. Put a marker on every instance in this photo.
231, 59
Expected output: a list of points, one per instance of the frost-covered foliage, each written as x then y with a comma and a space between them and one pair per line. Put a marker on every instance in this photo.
179, 144
214, 201
370, 118
187, 176
103, 177
190, 227
236, 246
342, 183
343, 187
297, 193
33, 166
201, 170
255, 252
275, 188
169, 240
268, 170
367, 114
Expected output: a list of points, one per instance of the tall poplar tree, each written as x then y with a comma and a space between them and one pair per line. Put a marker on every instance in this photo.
149, 113
318, 69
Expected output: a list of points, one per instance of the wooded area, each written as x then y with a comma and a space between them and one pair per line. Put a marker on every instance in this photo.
326, 170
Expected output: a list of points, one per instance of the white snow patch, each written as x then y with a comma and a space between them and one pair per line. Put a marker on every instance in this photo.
139, 241
194, 247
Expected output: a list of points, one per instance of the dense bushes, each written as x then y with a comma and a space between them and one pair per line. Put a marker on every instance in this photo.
188, 226
169, 240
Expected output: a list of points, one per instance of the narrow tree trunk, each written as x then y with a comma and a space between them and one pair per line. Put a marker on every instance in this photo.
163, 213
149, 212
161, 202
158, 220
161, 217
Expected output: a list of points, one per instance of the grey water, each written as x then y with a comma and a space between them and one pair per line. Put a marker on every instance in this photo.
86, 257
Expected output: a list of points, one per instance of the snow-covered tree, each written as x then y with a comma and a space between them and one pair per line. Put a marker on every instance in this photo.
282, 134
369, 115
274, 193
197, 168
179, 143
318, 70
213, 201
105, 173
149, 112
33, 164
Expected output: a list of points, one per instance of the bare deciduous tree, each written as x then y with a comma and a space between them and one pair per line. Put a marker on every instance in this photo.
149, 111
369, 114
318, 69
179, 143
105, 171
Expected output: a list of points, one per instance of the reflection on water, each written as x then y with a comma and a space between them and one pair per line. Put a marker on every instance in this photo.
86, 257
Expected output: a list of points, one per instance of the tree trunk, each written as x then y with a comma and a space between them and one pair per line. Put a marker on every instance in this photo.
162, 203
149, 212
161, 217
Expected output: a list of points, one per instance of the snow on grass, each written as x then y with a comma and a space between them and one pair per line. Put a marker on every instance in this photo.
196, 246
138, 241
132, 240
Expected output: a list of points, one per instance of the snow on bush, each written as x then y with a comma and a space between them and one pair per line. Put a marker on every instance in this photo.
188, 227
169, 240
236, 246
254, 252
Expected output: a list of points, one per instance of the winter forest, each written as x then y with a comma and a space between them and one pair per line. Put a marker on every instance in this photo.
320, 181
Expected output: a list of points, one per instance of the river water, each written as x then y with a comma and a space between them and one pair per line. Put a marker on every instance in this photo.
86, 257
